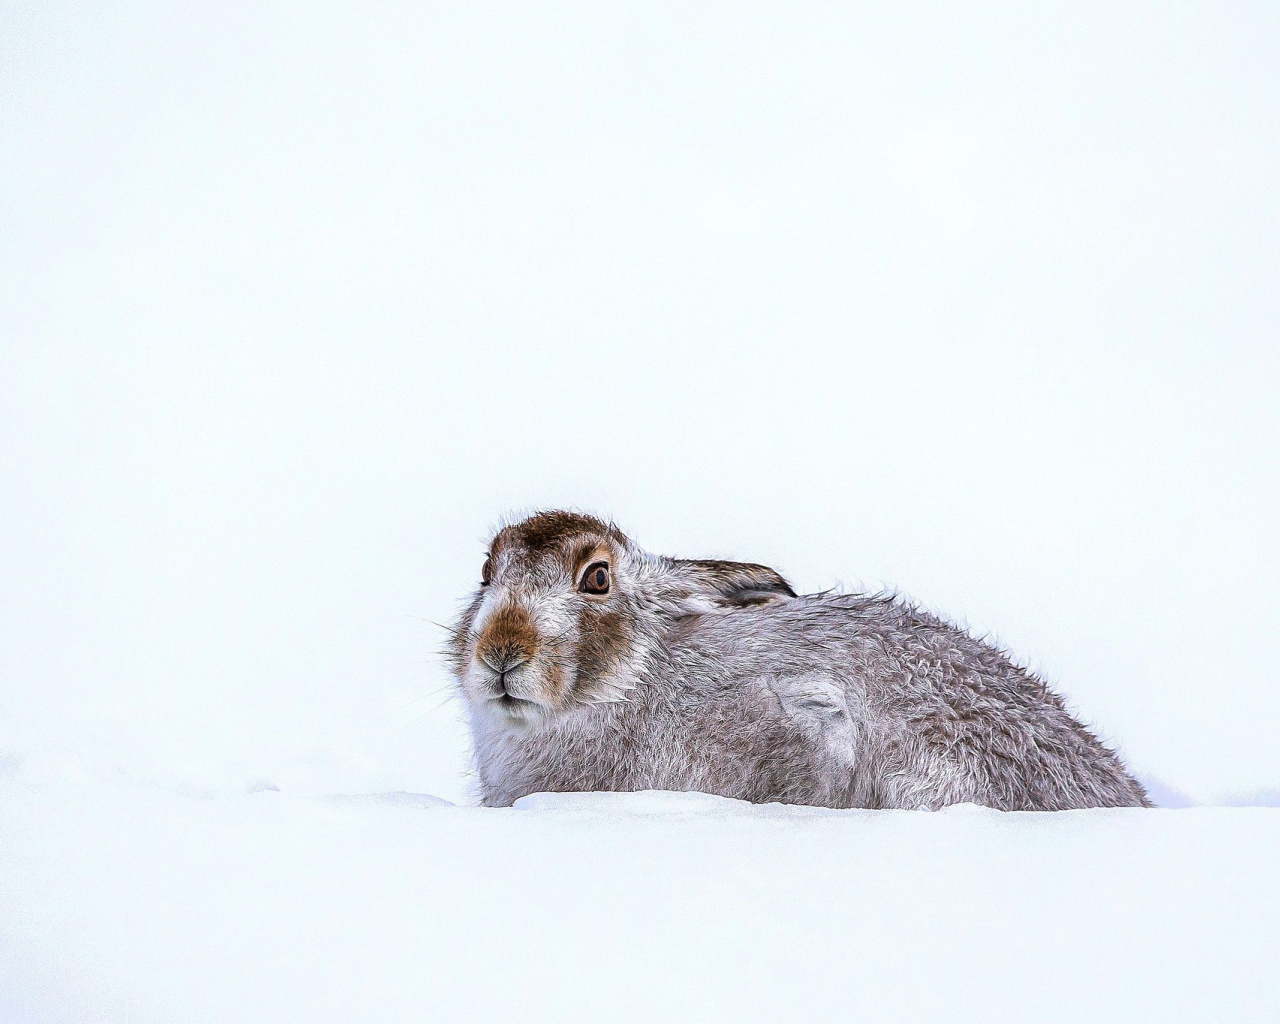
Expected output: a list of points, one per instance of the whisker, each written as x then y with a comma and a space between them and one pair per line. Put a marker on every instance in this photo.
433, 693
422, 717
382, 716
451, 630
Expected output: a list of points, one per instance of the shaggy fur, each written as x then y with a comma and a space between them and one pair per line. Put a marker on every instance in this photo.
714, 676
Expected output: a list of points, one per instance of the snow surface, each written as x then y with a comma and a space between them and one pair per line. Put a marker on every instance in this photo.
121, 903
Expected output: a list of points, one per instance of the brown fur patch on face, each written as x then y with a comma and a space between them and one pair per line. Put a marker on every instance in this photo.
553, 678
584, 553
548, 530
605, 638
508, 637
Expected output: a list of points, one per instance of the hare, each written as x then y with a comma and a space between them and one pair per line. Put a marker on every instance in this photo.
586, 663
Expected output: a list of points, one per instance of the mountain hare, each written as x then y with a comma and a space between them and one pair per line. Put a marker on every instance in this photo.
587, 663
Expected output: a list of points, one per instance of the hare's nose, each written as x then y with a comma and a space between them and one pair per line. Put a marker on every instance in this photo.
503, 662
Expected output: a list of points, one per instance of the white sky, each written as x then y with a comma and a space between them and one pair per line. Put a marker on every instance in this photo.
975, 302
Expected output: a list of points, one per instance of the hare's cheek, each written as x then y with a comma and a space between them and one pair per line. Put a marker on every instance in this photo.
555, 682
605, 639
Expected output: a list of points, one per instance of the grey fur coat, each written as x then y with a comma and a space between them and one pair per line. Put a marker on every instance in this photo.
587, 663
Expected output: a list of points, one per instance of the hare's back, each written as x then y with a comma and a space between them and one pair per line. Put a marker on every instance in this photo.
894, 666
865, 638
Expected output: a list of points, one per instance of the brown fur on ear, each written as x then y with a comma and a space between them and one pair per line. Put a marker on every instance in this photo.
735, 584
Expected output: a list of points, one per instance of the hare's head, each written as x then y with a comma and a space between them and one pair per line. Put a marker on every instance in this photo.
569, 611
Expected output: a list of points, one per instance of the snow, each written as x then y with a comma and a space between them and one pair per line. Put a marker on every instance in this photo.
296, 301
121, 903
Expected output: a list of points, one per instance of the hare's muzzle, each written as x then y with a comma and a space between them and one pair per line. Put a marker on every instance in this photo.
507, 639
507, 643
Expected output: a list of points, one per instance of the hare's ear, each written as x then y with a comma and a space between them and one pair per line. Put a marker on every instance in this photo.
726, 585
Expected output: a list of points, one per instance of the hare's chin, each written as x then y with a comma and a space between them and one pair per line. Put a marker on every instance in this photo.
515, 710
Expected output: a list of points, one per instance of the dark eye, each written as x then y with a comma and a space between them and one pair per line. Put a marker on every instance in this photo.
486, 574
596, 579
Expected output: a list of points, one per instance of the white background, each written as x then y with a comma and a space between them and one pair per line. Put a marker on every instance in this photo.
978, 303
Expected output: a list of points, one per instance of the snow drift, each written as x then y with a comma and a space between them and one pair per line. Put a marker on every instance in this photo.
122, 903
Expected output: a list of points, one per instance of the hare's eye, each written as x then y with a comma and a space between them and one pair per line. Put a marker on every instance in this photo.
486, 574
596, 579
